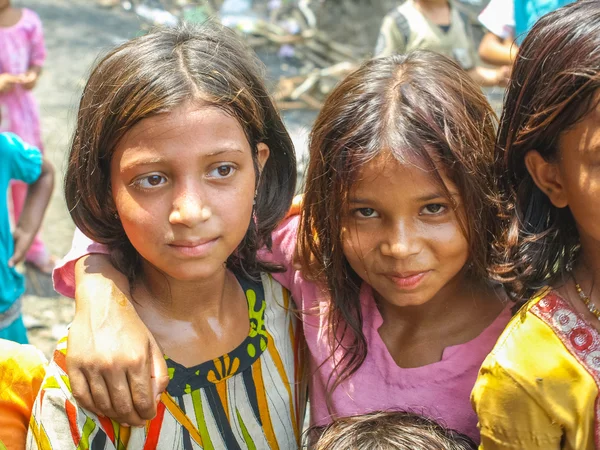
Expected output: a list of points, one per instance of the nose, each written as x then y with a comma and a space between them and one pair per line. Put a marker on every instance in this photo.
189, 206
401, 241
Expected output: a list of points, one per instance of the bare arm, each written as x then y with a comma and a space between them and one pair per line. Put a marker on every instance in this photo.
29, 79
38, 197
121, 381
494, 50
490, 77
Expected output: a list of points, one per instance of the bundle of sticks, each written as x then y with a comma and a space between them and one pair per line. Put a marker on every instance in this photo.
324, 61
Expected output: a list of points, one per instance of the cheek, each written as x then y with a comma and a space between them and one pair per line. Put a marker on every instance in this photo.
583, 192
358, 248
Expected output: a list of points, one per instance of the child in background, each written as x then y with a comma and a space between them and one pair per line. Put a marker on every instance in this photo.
539, 387
22, 55
435, 25
389, 431
18, 161
181, 166
498, 43
508, 22
397, 311
22, 369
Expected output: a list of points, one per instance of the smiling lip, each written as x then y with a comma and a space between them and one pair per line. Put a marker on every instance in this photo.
195, 248
408, 280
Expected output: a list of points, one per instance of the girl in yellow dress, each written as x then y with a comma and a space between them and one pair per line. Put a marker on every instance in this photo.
538, 389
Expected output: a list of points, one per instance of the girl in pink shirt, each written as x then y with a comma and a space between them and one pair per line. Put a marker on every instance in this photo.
398, 220
22, 55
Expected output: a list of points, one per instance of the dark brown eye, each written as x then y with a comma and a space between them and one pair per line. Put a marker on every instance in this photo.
154, 180
224, 170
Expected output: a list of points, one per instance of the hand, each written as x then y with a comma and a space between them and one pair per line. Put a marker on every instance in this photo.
28, 80
503, 75
115, 366
22, 241
7, 82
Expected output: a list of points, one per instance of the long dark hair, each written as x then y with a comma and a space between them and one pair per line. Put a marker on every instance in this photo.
553, 83
419, 104
155, 74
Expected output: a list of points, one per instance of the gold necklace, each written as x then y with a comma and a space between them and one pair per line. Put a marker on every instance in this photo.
588, 302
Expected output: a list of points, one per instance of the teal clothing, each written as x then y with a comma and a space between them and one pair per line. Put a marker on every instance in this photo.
527, 13
18, 161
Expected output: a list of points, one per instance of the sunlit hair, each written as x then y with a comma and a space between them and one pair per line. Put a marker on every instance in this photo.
419, 106
387, 431
554, 80
153, 75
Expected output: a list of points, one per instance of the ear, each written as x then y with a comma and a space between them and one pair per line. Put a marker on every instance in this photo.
546, 175
262, 154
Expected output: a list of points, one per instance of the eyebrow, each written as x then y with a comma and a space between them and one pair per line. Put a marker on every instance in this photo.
425, 198
137, 162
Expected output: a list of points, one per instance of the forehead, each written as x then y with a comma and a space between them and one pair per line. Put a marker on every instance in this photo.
388, 172
198, 127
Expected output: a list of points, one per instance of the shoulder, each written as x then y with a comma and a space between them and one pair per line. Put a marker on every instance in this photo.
545, 326
31, 17
9, 142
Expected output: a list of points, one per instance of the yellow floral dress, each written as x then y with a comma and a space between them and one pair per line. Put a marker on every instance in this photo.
538, 388
250, 398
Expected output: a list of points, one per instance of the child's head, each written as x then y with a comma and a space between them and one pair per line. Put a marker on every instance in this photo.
391, 431
399, 186
176, 139
549, 144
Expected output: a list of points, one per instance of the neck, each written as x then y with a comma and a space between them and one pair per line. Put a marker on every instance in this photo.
587, 267
180, 300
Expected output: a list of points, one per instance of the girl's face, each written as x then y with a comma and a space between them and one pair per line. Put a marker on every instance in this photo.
402, 235
183, 184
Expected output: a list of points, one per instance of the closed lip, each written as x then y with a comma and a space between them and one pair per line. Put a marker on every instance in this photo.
193, 247
191, 242
407, 280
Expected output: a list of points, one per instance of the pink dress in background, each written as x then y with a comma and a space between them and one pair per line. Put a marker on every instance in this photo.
22, 46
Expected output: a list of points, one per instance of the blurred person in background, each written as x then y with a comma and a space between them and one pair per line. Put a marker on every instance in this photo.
19, 161
435, 25
507, 22
22, 55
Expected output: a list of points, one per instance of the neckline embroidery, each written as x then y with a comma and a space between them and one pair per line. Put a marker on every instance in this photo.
579, 337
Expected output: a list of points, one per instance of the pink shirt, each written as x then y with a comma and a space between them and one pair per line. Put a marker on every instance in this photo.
441, 390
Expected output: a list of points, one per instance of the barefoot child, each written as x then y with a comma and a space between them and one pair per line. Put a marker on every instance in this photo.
182, 167
397, 310
22, 55
539, 387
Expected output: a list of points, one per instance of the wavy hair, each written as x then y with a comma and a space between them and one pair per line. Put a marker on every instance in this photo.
552, 87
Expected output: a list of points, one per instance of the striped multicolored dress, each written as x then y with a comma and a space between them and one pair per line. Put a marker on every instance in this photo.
250, 398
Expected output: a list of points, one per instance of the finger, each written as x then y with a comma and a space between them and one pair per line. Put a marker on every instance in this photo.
101, 397
159, 370
17, 257
81, 391
141, 387
122, 403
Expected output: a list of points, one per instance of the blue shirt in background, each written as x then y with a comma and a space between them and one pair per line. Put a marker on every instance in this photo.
527, 13
18, 161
